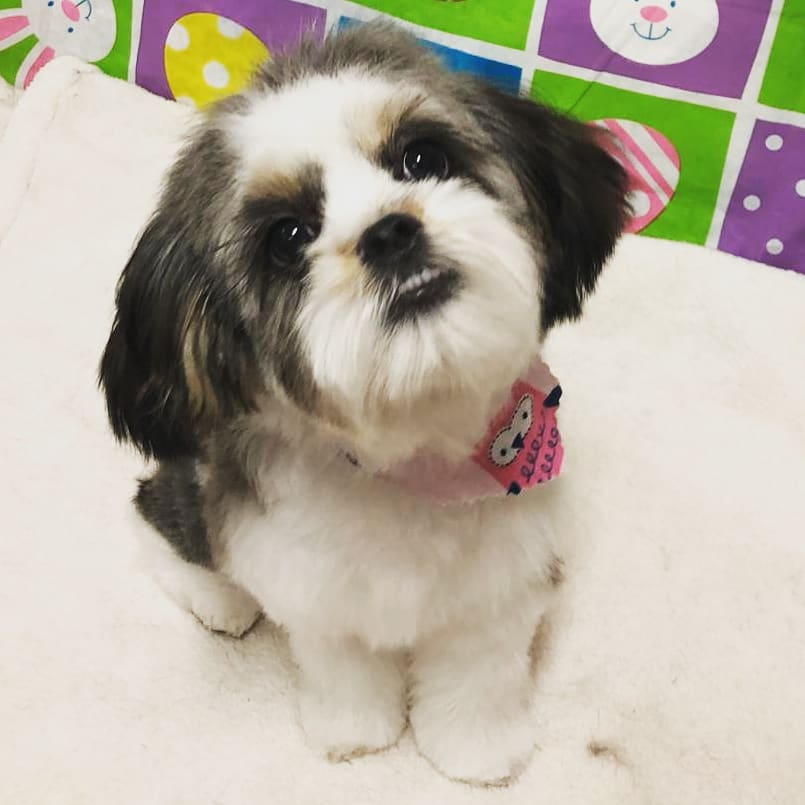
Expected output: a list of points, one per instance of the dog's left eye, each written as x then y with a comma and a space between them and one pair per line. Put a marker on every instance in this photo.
424, 160
286, 240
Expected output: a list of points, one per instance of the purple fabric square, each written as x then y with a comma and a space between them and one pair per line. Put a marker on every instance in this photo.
766, 216
277, 23
721, 68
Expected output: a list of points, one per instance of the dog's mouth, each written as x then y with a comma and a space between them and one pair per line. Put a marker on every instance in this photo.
422, 292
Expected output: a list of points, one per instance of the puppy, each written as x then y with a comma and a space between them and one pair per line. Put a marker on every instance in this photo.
328, 336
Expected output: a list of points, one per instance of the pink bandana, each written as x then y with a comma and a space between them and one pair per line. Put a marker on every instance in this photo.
521, 448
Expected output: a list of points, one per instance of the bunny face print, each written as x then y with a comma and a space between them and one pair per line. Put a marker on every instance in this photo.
85, 28
655, 31
510, 440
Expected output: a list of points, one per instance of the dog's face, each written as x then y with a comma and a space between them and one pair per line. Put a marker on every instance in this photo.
358, 234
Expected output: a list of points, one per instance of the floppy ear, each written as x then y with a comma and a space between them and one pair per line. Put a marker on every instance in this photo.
572, 185
178, 359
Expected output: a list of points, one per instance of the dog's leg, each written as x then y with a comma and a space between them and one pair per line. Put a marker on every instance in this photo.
472, 691
175, 547
351, 699
218, 603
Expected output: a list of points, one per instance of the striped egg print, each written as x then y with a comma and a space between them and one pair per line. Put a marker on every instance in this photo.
652, 163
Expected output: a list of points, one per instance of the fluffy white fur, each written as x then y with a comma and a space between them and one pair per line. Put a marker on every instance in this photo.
462, 590
464, 357
217, 603
263, 337
360, 573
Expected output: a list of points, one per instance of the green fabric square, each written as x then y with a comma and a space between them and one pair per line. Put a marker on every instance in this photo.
489, 20
12, 57
699, 134
784, 82
115, 61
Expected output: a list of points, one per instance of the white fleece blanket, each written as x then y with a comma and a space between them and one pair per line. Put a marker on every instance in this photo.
675, 667
8, 97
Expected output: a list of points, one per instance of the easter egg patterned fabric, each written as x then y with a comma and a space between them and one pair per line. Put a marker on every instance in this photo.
208, 56
652, 165
705, 97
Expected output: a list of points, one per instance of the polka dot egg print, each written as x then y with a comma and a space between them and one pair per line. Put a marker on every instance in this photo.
765, 220
208, 56
652, 164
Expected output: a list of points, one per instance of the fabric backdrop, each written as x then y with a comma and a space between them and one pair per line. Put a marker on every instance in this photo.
707, 97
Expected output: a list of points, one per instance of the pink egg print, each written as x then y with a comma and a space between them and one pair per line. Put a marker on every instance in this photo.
652, 164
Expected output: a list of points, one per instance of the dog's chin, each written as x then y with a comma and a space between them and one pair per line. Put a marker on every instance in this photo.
459, 326
429, 367
461, 349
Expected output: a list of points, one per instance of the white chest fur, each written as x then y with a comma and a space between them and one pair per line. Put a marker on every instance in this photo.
348, 554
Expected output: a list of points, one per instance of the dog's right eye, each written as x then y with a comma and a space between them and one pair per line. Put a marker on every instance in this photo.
286, 239
424, 160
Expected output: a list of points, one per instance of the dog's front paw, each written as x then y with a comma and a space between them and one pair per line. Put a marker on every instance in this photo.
341, 731
223, 607
351, 699
488, 751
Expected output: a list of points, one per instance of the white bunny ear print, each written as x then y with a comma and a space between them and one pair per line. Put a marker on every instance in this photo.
39, 56
14, 27
502, 450
510, 440
524, 414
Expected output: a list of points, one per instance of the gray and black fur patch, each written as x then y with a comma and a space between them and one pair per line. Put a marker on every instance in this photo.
180, 357
379, 47
281, 286
171, 502
205, 321
574, 192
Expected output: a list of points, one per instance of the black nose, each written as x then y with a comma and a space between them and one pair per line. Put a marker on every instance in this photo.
392, 239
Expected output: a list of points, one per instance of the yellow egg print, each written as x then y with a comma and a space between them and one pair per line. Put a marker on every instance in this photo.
208, 56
